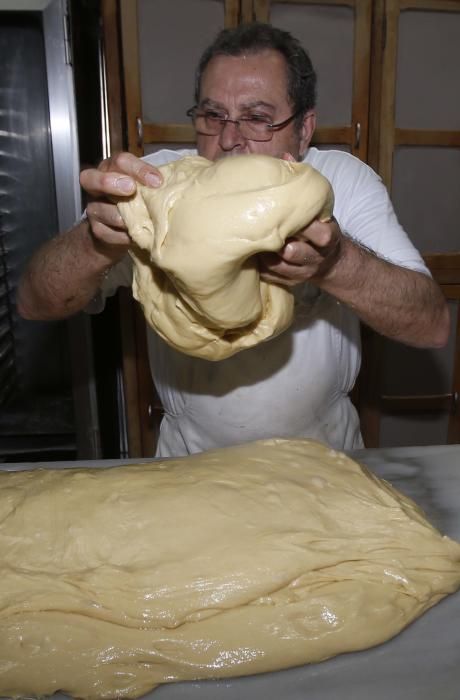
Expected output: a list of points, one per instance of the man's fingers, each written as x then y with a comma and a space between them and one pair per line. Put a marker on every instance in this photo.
299, 252
318, 234
106, 213
98, 183
280, 279
280, 272
117, 176
313, 244
307, 256
107, 224
137, 169
109, 236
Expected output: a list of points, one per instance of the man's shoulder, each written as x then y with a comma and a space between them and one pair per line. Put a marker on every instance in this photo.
332, 162
167, 155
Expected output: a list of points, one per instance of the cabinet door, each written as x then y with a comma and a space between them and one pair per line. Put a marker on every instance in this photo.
337, 36
162, 41
388, 93
415, 146
151, 49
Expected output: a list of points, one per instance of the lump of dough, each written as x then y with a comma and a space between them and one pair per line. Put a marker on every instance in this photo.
231, 562
195, 241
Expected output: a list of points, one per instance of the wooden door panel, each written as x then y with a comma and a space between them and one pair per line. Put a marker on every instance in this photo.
414, 144
428, 63
150, 124
129, 71
425, 195
162, 41
400, 105
336, 33
363, 57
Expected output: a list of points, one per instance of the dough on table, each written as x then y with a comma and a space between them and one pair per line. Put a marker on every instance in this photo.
237, 561
195, 241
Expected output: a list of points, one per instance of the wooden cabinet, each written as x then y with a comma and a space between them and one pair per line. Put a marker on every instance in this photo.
388, 93
151, 34
415, 146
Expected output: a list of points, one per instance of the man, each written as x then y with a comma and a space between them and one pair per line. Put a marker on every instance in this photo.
255, 93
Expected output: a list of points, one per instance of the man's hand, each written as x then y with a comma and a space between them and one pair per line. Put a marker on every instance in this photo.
116, 176
64, 274
310, 255
399, 303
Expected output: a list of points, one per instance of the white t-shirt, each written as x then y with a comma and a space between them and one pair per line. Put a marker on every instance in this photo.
298, 383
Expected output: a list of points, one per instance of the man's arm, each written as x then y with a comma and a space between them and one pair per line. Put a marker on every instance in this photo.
399, 303
65, 273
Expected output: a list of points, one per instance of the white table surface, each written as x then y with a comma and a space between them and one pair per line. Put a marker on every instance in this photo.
421, 663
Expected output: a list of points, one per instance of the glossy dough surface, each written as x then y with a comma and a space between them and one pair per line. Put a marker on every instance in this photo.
231, 562
195, 241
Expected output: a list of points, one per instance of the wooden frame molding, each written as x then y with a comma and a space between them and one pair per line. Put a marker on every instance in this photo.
434, 5
445, 268
333, 134
453, 433
426, 137
169, 133
247, 11
388, 91
131, 74
232, 11
264, 5
109, 11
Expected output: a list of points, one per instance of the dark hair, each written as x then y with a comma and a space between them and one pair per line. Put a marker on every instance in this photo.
256, 37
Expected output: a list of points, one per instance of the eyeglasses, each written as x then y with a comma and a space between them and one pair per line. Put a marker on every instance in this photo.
254, 128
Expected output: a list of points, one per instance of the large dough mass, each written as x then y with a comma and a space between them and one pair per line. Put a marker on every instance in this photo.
231, 562
195, 241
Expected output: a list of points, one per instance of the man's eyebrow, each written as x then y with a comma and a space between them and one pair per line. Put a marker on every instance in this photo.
210, 103
207, 102
258, 103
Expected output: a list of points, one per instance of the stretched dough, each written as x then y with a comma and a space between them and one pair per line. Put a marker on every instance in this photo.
231, 562
194, 244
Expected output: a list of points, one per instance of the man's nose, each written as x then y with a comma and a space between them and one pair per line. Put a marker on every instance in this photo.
230, 136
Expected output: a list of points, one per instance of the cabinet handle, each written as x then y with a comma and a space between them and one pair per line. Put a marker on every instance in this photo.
139, 132
357, 134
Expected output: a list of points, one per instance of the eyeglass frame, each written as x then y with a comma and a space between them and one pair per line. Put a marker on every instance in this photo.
272, 127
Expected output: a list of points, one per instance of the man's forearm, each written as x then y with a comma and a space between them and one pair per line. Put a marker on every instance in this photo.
63, 276
401, 304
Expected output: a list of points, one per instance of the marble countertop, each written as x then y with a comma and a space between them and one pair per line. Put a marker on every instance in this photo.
421, 663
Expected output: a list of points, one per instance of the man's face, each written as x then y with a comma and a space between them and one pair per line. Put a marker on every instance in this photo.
248, 85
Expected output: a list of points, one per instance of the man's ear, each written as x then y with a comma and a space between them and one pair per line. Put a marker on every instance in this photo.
307, 130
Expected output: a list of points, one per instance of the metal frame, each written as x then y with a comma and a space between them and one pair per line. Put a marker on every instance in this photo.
63, 117
66, 161
66, 166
